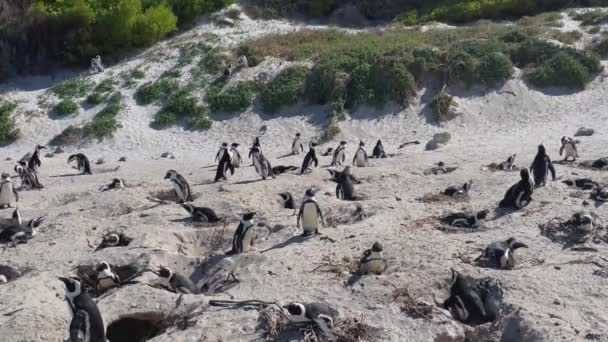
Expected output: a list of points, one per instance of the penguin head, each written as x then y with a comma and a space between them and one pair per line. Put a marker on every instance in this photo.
248, 216
524, 174
310, 193
189, 207
5, 175
514, 244
441, 164
171, 174
73, 287
235, 145
313, 144
467, 186
297, 135
482, 214
511, 159
564, 139
377, 247
111, 239
541, 150
285, 195
361, 143
296, 309
72, 158
40, 147
102, 266
379, 143
224, 144
164, 272
342, 143
22, 163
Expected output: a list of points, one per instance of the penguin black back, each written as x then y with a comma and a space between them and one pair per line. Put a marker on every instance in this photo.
84, 166
310, 159
86, 318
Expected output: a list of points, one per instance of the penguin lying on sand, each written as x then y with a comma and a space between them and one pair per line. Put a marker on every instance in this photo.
600, 164
520, 194
600, 194
20, 233
327, 152
86, 323
473, 302
372, 260
277, 170
583, 221
501, 254
582, 183
175, 282
117, 183
466, 219
114, 239
321, 314
463, 191
288, 201
101, 277
201, 214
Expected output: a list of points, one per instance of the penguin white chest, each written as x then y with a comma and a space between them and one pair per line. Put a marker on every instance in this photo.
339, 157
247, 238
374, 264
296, 148
105, 280
6, 194
179, 191
310, 220
570, 151
360, 159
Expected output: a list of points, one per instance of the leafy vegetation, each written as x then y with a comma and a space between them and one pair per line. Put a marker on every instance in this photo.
96, 98
568, 37
155, 91
591, 18
562, 69
182, 108
440, 104
235, 99
74, 88
285, 90
65, 108
600, 47
8, 133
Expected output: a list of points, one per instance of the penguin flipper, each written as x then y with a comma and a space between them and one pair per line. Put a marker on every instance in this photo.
76, 325
324, 328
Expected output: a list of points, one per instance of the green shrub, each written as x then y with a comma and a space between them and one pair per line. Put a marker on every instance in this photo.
569, 37
105, 86
494, 68
152, 25
593, 17
96, 98
72, 88
254, 57
200, 123
111, 110
213, 62
533, 51
561, 70
600, 47
182, 107
65, 108
392, 81
285, 89
440, 104
409, 18
154, 91
190, 51
462, 67
8, 133
137, 74
235, 99
102, 128
70, 136
171, 73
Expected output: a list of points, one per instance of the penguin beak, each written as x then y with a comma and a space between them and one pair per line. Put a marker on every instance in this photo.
64, 280
166, 176
517, 245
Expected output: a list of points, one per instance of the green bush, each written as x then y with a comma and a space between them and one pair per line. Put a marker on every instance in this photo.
182, 107
600, 47
392, 81
440, 104
285, 89
494, 68
462, 67
65, 108
153, 24
213, 62
562, 70
8, 133
154, 91
409, 18
137, 74
235, 99
593, 17
200, 123
172, 73
103, 128
96, 98
72, 88
105, 86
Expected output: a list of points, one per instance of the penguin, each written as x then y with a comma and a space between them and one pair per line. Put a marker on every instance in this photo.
16, 217
201, 214
582, 183
243, 236
600, 164
20, 233
378, 151
175, 282
345, 189
327, 152
288, 202
117, 183
296, 146
339, 155
310, 213
501, 254
541, 166
105, 278
7, 191
372, 260
466, 219
181, 186
228, 71
440, 169
520, 194
28, 177
600, 194
35, 162
454, 191
236, 156
568, 149
310, 159
221, 152
464, 303
360, 158
83, 163
86, 319
224, 165
337, 175
262, 165
323, 315
277, 170
507, 165
256, 144
582, 221
114, 239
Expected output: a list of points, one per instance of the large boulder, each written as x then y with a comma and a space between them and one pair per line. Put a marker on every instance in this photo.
439, 140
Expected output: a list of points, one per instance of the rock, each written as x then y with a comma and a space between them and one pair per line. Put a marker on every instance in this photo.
58, 150
49, 155
172, 157
584, 132
263, 130
100, 161
439, 140
165, 155
348, 15
8, 158
122, 159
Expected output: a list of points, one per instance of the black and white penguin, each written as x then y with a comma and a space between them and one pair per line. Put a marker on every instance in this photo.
35, 163
261, 164
16, 217
243, 236
327, 152
345, 190
501, 254
114, 239
466, 219
568, 149
256, 144
582, 183
379, 150
339, 154
372, 260
236, 156
82, 162
582, 221
310, 214
86, 323
464, 303
440, 169
220, 153
600, 194
310, 159
175, 282
507, 165
296, 146
600, 164
117, 183
321, 314
201, 214
288, 201
280, 169
8, 192
228, 71
360, 158
223, 166
29, 178
520, 194
455, 191
19, 232
105, 278
181, 186
541, 166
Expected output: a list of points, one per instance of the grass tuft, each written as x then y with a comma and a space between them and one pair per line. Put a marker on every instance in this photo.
155, 91
8, 133
65, 108
232, 100
75, 88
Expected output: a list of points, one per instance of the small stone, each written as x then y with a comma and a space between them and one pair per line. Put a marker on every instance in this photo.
165, 155
100, 161
556, 302
288, 268
557, 268
399, 199
8, 158
49, 155
172, 157
585, 203
122, 159
438, 140
58, 150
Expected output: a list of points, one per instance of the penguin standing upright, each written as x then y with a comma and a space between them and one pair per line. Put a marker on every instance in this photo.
372, 260
7, 191
181, 186
310, 159
310, 214
501, 254
224, 165
339, 154
86, 319
256, 144
568, 149
360, 158
345, 189
35, 162
28, 177
520, 194
379, 150
296, 146
541, 166
236, 156
221, 152
262, 165
175, 282
82, 162
243, 236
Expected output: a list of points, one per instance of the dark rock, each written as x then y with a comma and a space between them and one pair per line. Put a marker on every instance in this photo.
584, 132
122, 159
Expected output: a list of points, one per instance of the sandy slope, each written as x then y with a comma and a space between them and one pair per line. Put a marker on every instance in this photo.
555, 291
